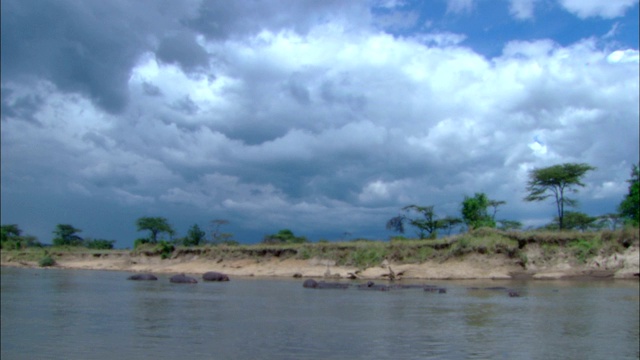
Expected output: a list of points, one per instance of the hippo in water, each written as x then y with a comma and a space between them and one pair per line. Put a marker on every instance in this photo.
183, 279
370, 285
142, 277
215, 276
312, 284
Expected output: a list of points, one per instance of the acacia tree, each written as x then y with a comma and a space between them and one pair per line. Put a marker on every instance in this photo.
630, 207
216, 235
66, 235
475, 213
555, 181
155, 225
427, 225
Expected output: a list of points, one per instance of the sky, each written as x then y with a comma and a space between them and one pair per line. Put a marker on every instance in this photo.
323, 117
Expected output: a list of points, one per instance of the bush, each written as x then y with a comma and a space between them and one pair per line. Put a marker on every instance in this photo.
140, 242
99, 244
284, 236
46, 261
165, 249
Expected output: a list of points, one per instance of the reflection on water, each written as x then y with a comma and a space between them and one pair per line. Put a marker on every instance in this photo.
62, 314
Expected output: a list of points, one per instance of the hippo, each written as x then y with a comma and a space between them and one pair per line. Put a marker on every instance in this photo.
370, 285
312, 284
439, 290
215, 276
142, 277
183, 279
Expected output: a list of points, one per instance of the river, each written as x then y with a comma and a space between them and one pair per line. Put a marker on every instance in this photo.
82, 314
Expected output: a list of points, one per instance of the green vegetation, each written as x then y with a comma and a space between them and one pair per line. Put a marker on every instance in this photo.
555, 181
577, 246
155, 226
630, 207
46, 261
11, 238
165, 249
98, 244
65, 234
427, 225
475, 211
195, 236
284, 236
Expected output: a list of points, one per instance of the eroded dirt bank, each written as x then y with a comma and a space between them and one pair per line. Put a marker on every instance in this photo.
538, 265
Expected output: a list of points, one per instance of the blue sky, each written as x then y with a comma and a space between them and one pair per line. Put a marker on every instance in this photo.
324, 117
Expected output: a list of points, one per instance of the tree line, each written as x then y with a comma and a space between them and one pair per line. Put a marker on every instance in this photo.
555, 182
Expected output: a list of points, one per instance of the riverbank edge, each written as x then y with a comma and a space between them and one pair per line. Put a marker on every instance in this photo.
624, 265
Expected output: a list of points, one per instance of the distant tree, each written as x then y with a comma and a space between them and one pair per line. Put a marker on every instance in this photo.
574, 220
216, 236
475, 213
284, 236
11, 238
426, 226
65, 234
9, 232
495, 204
630, 207
155, 225
195, 236
449, 222
509, 225
99, 244
610, 221
555, 181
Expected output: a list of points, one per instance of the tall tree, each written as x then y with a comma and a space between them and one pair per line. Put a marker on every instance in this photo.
66, 235
555, 181
475, 213
630, 207
155, 225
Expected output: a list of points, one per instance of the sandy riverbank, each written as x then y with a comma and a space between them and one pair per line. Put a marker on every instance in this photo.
472, 266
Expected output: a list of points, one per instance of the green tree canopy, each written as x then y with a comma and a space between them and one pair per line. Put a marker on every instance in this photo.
475, 213
555, 181
155, 225
8, 232
285, 236
195, 236
575, 220
426, 225
12, 238
630, 207
65, 234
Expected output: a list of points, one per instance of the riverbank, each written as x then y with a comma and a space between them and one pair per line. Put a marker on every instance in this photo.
481, 255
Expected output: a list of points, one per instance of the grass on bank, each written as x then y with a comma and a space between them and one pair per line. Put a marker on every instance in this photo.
366, 253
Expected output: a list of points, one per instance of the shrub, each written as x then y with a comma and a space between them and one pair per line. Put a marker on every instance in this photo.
140, 241
99, 244
165, 249
46, 261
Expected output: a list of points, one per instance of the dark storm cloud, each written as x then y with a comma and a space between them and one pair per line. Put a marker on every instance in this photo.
87, 47
183, 49
20, 107
224, 19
